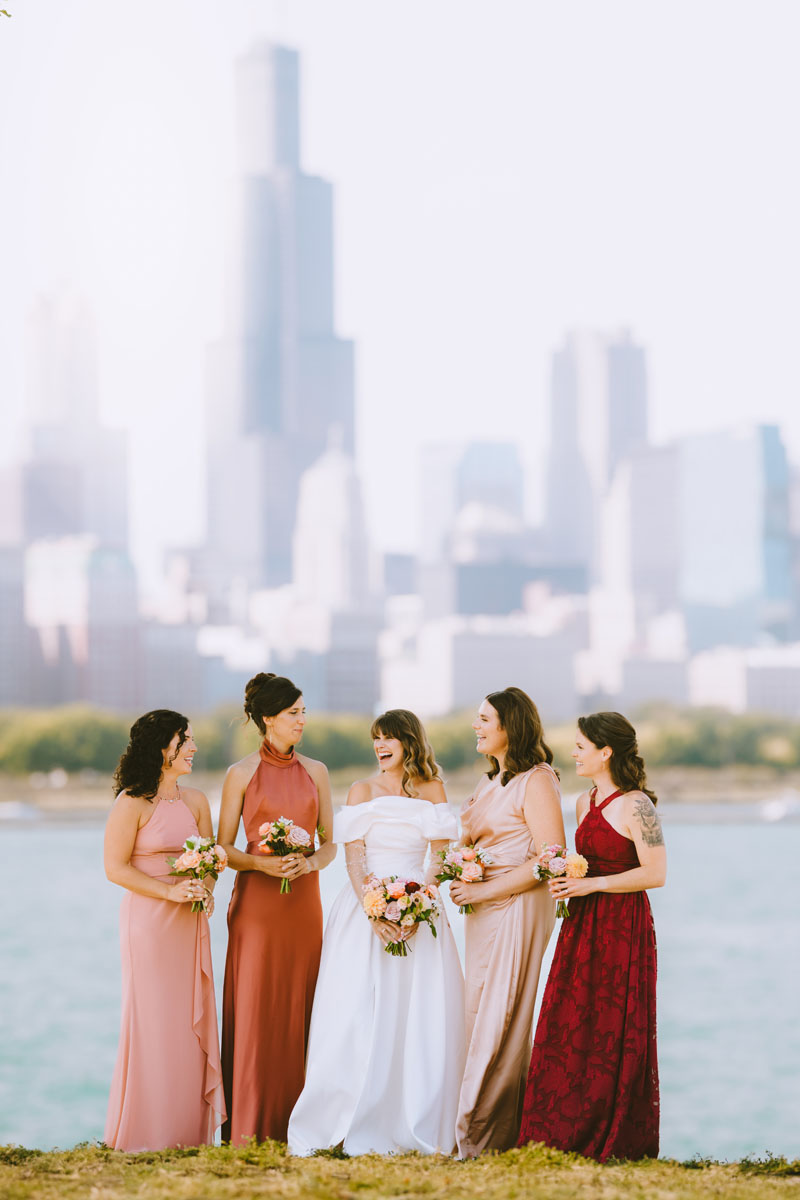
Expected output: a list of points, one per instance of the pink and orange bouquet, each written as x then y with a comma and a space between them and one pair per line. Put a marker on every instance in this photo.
283, 837
553, 862
463, 862
201, 857
404, 902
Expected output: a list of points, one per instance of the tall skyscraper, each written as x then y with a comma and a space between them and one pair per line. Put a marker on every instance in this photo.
599, 418
281, 381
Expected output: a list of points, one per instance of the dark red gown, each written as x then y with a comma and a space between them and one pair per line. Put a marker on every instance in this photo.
593, 1080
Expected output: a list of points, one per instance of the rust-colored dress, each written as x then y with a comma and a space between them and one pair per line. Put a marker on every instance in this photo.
505, 942
274, 944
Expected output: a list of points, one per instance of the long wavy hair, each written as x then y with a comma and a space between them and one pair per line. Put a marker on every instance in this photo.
519, 719
266, 695
139, 770
419, 764
626, 765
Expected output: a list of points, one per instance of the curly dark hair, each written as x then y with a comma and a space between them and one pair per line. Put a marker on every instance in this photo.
625, 764
139, 769
266, 695
419, 764
519, 718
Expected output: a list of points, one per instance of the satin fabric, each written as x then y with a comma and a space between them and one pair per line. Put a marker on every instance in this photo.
167, 1085
505, 942
274, 944
386, 1048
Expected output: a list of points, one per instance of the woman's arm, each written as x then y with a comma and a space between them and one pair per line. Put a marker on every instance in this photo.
543, 816
120, 837
230, 813
644, 827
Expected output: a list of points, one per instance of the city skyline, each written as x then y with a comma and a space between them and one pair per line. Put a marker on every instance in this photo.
474, 226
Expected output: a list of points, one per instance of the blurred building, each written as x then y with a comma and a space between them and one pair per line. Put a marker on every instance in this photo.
281, 381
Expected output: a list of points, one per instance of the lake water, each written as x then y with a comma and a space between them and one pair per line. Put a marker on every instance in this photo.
729, 968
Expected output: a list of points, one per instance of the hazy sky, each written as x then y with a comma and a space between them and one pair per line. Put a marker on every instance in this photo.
504, 171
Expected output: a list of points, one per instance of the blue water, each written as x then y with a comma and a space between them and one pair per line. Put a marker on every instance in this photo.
729, 968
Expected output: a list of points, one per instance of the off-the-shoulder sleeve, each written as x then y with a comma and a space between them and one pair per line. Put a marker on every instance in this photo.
436, 822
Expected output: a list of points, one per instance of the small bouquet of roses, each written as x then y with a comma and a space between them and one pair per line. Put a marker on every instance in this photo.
283, 837
404, 902
463, 862
553, 862
201, 856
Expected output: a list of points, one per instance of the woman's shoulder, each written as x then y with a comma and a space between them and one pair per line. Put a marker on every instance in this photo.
315, 768
431, 790
360, 792
195, 799
245, 766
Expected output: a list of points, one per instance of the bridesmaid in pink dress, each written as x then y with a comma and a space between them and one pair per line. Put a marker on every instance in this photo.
516, 810
167, 1087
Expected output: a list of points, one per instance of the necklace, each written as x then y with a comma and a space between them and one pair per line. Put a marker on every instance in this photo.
170, 799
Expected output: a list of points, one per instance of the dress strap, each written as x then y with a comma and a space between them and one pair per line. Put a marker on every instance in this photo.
607, 800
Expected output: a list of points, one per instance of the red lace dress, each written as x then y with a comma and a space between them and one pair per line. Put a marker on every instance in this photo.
593, 1080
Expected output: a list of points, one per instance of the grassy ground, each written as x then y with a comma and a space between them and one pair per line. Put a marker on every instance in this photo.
223, 1173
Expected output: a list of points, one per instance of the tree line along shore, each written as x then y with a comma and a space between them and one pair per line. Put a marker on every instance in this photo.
266, 1170
77, 738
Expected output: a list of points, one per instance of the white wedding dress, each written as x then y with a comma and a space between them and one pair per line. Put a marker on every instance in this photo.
386, 1045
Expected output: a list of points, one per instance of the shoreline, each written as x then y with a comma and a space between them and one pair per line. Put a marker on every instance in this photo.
686, 794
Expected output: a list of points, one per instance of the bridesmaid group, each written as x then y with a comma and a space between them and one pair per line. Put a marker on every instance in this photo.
330, 1041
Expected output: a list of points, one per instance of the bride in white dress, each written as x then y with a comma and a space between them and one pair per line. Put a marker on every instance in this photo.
386, 1046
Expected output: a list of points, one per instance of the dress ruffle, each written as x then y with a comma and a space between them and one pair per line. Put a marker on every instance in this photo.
436, 822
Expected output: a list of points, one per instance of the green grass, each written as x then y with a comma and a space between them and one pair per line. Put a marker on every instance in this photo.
266, 1170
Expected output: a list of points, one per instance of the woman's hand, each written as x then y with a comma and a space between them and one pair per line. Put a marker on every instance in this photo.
387, 932
467, 893
185, 890
562, 888
284, 866
408, 931
209, 903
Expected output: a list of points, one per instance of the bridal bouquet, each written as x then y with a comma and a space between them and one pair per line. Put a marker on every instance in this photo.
463, 862
284, 837
201, 856
404, 902
553, 862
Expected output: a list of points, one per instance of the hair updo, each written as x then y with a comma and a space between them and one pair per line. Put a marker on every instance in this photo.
625, 764
139, 770
266, 695
419, 764
519, 719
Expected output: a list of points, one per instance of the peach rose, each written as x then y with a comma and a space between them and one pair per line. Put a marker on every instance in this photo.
190, 860
374, 904
396, 889
577, 866
265, 830
471, 872
468, 854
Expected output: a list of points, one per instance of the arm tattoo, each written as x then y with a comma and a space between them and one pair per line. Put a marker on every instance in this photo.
645, 810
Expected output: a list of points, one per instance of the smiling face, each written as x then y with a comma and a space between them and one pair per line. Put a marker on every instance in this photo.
590, 761
286, 729
388, 751
492, 739
179, 756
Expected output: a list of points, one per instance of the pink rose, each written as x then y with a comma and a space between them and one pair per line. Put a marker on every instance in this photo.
455, 858
298, 836
468, 854
472, 872
393, 911
557, 865
396, 889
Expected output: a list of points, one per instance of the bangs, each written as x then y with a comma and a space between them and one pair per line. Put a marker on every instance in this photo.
388, 725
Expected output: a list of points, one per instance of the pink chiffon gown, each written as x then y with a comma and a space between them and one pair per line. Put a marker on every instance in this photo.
167, 1085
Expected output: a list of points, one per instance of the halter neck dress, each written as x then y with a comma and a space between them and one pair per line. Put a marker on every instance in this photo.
274, 944
167, 1085
593, 1080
